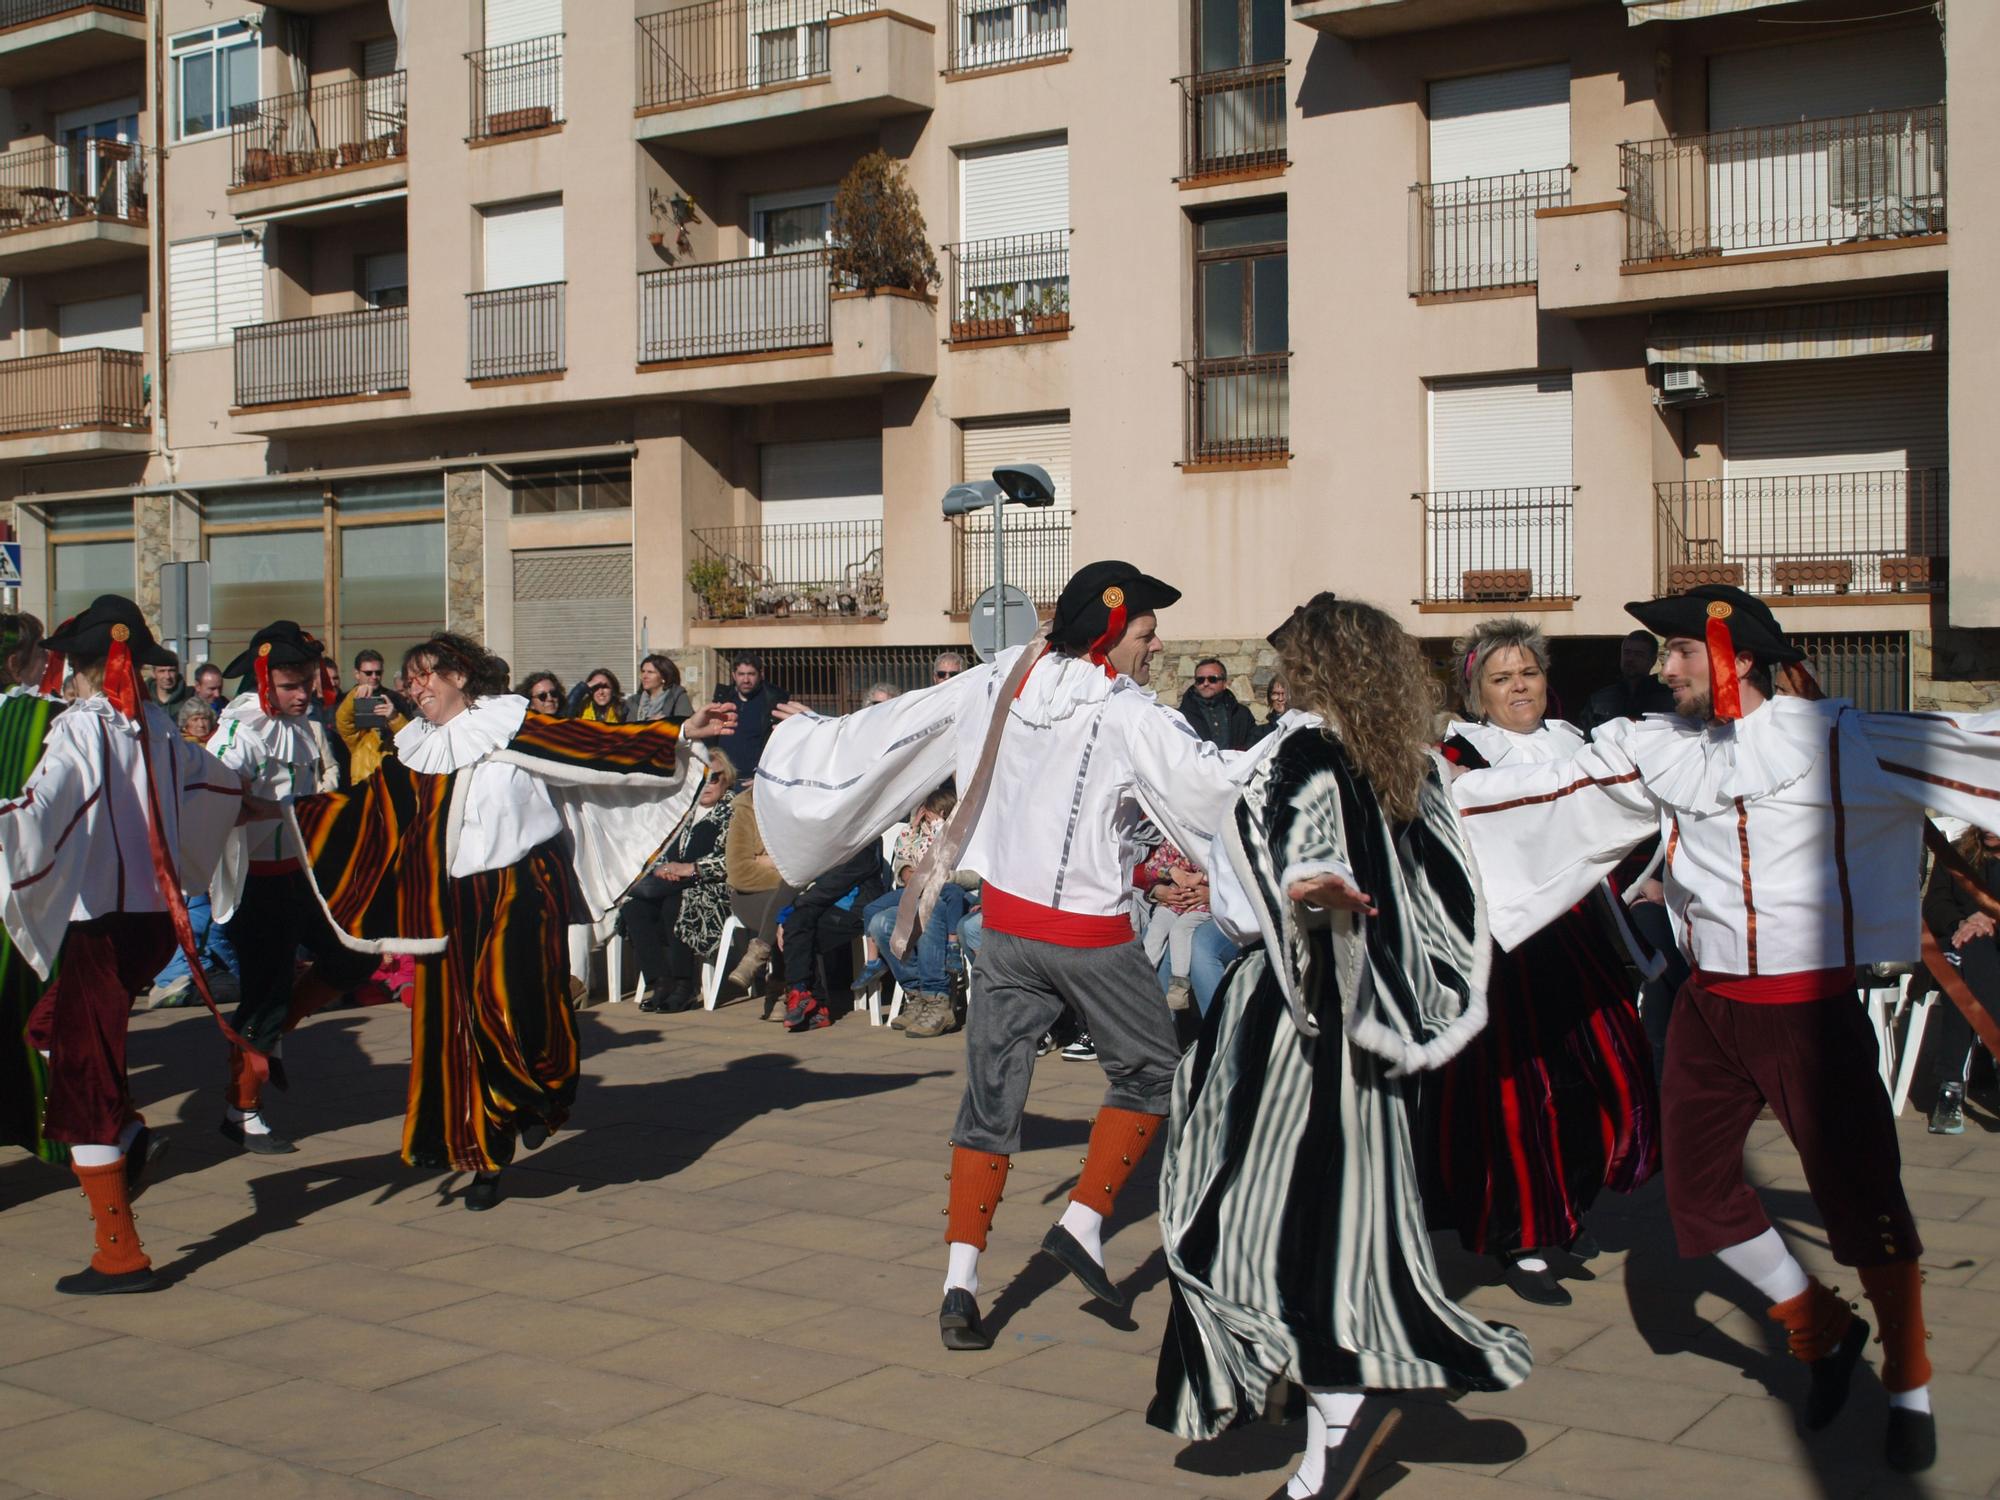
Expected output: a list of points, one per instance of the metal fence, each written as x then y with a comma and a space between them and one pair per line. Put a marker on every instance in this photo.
1037, 543
1233, 120
1012, 285
518, 330
732, 46
1881, 532
809, 569
1775, 187
81, 388
997, 33
1479, 232
1498, 546
755, 306
61, 184
1871, 669
318, 359
516, 87
1238, 409
21, 12
836, 679
332, 126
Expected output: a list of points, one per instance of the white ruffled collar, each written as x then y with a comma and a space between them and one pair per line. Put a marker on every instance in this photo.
287, 739
101, 707
1059, 686
1556, 739
1704, 768
439, 749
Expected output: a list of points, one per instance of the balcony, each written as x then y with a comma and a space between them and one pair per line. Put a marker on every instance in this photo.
1856, 201
82, 403
1238, 412
1480, 234
517, 333
1233, 123
1360, 20
69, 206
991, 36
517, 89
338, 357
48, 38
339, 142
1504, 546
1038, 552
807, 570
1806, 538
730, 77
1016, 287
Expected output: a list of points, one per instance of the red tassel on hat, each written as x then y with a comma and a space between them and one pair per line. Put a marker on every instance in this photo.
1113, 632
121, 683
263, 671
1725, 692
52, 675
329, 684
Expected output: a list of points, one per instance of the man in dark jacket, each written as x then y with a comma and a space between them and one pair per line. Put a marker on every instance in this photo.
1213, 710
756, 702
824, 922
1637, 692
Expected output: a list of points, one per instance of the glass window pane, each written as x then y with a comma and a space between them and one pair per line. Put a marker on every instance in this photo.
1221, 44
1221, 309
1264, 228
1267, 30
293, 503
1270, 317
607, 489
391, 587
239, 98
197, 93
89, 515
544, 494
260, 577
800, 227
401, 492
83, 570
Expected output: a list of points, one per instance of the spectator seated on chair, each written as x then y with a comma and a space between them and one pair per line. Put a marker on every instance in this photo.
675, 913
757, 893
1177, 910
923, 976
1966, 936
823, 923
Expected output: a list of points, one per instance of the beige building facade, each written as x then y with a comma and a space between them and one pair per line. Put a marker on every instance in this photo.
525, 317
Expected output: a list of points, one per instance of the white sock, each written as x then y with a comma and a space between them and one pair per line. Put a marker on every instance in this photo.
962, 1268
1086, 1225
95, 1156
1767, 1265
128, 1135
1915, 1400
1328, 1416
250, 1120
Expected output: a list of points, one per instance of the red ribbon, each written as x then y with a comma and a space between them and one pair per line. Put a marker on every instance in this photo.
262, 670
1725, 693
52, 673
1112, 634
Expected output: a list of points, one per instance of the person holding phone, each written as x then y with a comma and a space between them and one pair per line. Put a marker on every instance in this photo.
369, 718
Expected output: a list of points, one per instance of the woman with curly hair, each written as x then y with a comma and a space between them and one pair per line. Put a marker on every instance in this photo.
1289, 1200
1555, 1100
471, 847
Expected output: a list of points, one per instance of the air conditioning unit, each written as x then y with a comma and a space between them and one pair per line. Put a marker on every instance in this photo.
1680, 383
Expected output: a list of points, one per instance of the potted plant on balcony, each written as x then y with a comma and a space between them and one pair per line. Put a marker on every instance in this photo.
672, 213
987, 316
879, 239
1048, 310
709, 578
351, 153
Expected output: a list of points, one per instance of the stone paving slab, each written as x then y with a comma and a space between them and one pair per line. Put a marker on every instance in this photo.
721, 1284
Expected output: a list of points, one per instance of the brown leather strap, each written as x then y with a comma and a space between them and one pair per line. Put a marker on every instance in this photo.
940, 861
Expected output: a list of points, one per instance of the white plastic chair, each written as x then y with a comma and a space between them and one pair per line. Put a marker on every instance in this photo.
582, 944
1887, 1004
717, 968
883, 991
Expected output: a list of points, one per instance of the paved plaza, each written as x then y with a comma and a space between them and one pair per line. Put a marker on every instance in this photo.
723, 1284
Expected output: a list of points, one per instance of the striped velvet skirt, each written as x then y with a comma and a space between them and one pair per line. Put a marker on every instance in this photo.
24, 1074
492, 1038
1552, 1103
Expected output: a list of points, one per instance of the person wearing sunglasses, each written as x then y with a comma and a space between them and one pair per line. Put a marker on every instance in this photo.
369, 718
676, 912
603, 698
545, 695
1215, 712
948, 665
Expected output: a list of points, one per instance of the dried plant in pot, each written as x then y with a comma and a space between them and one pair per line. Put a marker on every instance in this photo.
879, 239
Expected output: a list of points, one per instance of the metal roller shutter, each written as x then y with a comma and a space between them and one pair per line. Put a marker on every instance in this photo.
1500, 123
1848, 75
101, 323
214, 287
573, 612
1500, 434
378, 57
1022, 188
521, 20
831, 481
987, 445
1836, 416
524, 243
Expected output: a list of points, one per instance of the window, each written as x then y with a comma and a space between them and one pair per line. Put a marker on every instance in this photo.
215, 78
571, 487
784, 44
523, 243
90, 553
214, 287
786, 223
272, 569
1242, 305
391, 535
385, 279
995, 32
1238, 33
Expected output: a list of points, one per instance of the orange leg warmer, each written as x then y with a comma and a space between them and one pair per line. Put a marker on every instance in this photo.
1897, 1294
1815, 1321
118, 1248
978, 1178
310, 995
1118, 1139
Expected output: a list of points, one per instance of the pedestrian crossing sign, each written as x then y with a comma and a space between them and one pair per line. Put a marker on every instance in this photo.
10, 565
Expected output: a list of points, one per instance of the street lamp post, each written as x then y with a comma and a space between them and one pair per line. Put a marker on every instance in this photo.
1023, 484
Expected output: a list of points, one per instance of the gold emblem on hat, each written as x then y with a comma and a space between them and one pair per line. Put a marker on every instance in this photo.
1718, 609
121, 633
1113, 597
265, 649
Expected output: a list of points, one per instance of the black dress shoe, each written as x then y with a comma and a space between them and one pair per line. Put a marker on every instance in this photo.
140, 1155
1539, 1287
1584, 1246
484, 1192
958, 1322
1347, 1465
1831, 1374
1911, 1445
534, 1134
1063, 1245
270, 1143
91, 1282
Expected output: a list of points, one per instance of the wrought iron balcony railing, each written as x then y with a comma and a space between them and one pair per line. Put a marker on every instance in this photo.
755, 306
361, 353
813, 568
1238, 410
516, 87
1037, 543
24, 12
1017, 284
82, 388
1000, 33
1233, 120
350, 124
697, 52
518, 330
1498, 546
106, 180
1479, 232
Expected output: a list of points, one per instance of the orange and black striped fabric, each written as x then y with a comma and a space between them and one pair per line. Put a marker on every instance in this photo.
378, 853
596, 750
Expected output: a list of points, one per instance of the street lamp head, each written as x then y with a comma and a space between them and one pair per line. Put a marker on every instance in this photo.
974, 494
1026, 484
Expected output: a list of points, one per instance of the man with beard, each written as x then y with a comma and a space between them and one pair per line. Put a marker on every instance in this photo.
1792, 831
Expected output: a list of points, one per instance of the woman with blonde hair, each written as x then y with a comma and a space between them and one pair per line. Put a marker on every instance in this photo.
1289, 1201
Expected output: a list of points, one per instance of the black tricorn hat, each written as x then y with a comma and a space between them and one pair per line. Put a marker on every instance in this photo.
1096, 589
285, 643
1752, 627
90, 634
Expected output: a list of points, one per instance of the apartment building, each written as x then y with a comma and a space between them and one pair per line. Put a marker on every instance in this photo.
522, 316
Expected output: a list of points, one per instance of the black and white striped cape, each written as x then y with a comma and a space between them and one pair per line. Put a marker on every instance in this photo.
1289, 1202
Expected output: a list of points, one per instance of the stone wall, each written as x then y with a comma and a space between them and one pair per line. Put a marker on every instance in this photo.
694, 664
1954, 670
152, 549
1250, 664
465, 552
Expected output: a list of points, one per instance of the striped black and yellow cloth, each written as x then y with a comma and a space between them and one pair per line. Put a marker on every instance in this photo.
24, 1076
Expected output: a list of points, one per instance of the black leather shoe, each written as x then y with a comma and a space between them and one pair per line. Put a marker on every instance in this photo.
534, 1134
268, 1144
91, 1282
140, 1155
1831, 1375
484, 1192
1538, 1287
1911, 1445
1584, 1246
1347, 1465
1063, 1245
958, 1322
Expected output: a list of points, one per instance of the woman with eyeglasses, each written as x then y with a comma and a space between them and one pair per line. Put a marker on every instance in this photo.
676, 911
469, 849
545, 695
603, 698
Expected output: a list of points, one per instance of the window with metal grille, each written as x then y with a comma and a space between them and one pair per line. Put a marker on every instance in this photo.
836, 679
546, 490
1869, 668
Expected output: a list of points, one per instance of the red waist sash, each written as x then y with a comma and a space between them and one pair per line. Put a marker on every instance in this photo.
1047, 924
1777, 989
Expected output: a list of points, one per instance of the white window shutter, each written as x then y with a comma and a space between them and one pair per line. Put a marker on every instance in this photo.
1021, 188
524, 243
102, 323
191, 294
239, 284
828, 481
521, 20
1497, 124
1835, 416
1882, 70
987, 445
1500, 434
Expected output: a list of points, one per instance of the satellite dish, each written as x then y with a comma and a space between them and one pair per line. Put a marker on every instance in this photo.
1023, 620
